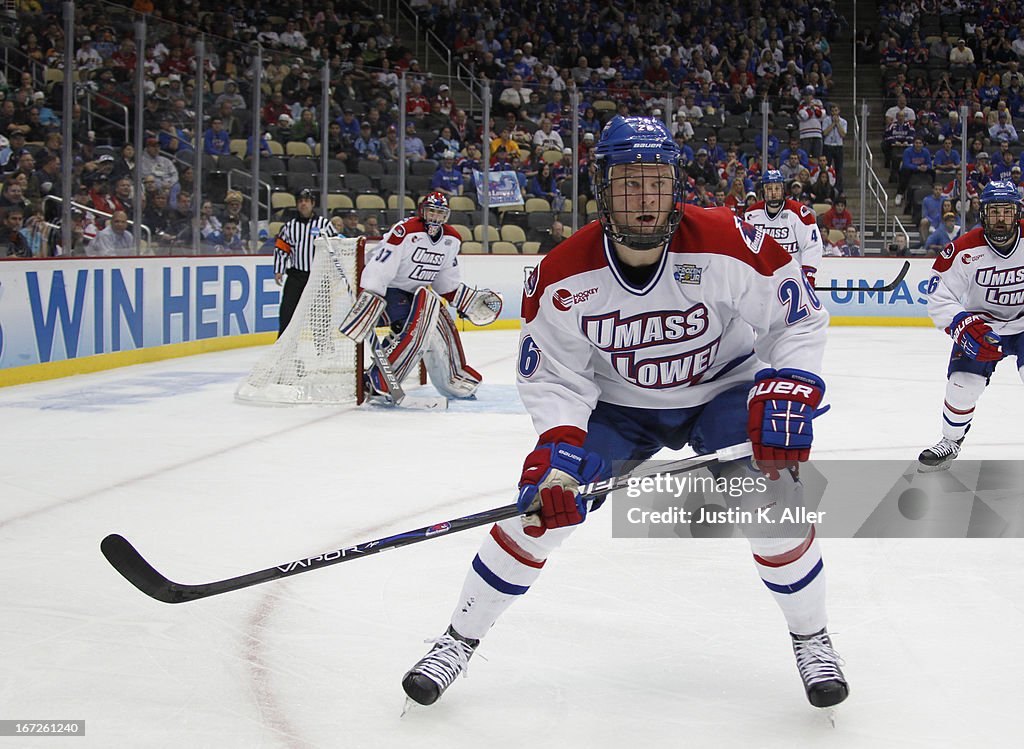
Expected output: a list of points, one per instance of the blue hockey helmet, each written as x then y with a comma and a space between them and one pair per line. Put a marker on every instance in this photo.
776, 200
434, 209
999, 231
627, 141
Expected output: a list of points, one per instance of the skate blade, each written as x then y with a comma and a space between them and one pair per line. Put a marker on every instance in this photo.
409, 702
410, 403
922, 468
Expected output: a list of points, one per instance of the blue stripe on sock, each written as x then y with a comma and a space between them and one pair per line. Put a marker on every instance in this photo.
799, 584
956, 423
496, 582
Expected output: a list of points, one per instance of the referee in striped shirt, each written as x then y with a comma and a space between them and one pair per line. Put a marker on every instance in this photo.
293, 254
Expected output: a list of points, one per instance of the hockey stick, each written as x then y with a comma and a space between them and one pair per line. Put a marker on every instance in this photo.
888, 287
140, 573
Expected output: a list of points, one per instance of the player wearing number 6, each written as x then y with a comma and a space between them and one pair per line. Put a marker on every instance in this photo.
652, 328
976, 294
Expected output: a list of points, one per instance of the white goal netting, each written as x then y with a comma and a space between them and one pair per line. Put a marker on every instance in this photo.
312, 362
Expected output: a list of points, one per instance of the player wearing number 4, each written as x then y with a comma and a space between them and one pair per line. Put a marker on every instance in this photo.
416, 265
654, 328
976, 294
791, 224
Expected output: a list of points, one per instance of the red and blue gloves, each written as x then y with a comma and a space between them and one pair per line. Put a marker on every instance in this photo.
975, 337
780, 408
547, 488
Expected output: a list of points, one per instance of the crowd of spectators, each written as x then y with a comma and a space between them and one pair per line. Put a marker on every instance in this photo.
705, 68
936, 58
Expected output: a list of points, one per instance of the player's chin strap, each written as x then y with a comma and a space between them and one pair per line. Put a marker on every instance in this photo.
480, 306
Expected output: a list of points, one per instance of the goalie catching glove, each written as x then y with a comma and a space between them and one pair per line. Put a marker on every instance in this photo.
780, 408
363, 316
975, 337
547, 488
481, 306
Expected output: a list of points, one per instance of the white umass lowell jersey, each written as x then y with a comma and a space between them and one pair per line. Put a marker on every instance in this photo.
795, 227
724, 300
969, 276
408, 258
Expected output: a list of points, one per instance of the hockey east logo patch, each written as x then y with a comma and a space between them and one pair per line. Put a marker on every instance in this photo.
563, 299
687, 273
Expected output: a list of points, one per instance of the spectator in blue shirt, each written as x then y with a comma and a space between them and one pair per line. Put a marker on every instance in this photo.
217, 140
366, 146
447, 178
946, 161
931, 210
916, 160
943, 235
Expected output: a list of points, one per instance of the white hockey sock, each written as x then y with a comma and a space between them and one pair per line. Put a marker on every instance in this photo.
793, 572
963, 390
504, 568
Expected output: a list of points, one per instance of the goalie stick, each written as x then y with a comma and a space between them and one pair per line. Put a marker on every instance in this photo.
135, 569
888, 287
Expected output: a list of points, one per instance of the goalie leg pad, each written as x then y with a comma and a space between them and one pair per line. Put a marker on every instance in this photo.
363, 316
446, 361
405, 350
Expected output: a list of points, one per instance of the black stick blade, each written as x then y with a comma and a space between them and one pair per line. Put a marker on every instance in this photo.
125, 559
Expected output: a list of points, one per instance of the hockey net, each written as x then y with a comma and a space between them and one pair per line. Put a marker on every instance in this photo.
312, 362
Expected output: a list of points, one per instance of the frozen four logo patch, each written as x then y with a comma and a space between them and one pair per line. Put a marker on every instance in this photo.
687, 273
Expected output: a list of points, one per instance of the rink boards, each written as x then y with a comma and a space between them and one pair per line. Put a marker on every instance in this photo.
68, 316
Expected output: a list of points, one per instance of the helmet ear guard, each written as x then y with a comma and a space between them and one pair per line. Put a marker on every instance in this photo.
641, 141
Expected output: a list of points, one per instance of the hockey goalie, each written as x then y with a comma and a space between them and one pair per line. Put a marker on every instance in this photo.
403, 284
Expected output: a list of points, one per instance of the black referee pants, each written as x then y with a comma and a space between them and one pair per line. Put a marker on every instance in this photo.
294, 284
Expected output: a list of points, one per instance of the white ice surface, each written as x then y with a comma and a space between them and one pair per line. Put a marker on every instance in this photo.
621, 642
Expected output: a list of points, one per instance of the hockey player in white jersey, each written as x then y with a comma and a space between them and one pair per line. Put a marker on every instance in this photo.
403, 282
793, 225
652, 328
976, 294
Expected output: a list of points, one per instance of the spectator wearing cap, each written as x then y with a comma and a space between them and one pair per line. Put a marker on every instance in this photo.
961, 60
365, 145
980, 172
447, 178
152, 162
282, 129
1004, 130
233, 212
87, 58
172, 138
444, 101
350, 126
230, 96
943, 235
349, 224
701, 168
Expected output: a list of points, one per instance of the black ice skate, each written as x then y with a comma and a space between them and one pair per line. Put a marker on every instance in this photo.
818, 665
939, 456
426, 681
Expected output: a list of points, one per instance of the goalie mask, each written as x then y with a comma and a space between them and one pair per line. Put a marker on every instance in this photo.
773, 189
639, 182
434, 210
1001, 214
